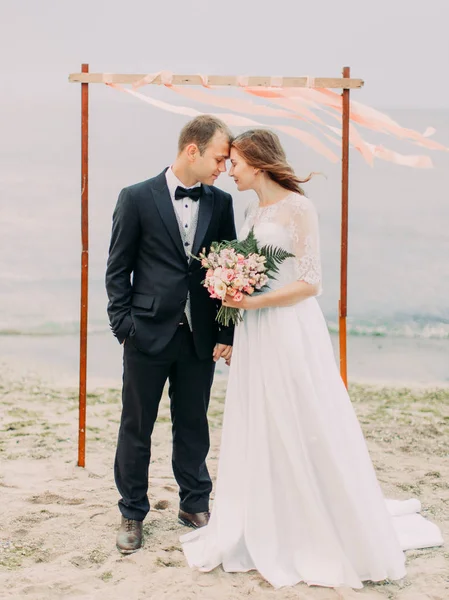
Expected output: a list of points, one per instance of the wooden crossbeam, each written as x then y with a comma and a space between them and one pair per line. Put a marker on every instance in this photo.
222, 80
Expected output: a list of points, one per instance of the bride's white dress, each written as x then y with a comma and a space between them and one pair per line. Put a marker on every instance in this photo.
296, 494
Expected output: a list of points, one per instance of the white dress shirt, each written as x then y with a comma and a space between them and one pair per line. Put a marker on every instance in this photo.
186, 209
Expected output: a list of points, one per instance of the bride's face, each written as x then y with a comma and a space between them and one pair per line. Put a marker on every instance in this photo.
241, 172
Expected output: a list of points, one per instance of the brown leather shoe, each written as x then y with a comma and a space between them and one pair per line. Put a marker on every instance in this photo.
195, 520
129, 536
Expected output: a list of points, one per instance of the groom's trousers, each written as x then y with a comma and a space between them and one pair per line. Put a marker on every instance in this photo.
190, 381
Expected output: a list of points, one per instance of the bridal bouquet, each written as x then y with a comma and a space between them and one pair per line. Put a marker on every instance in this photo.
236, 268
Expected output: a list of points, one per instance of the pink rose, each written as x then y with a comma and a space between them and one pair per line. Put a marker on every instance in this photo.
210, 273
248, 290
238, 297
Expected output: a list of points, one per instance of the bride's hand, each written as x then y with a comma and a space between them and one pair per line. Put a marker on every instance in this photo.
246, 303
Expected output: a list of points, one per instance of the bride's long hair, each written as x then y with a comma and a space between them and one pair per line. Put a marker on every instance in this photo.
262, 149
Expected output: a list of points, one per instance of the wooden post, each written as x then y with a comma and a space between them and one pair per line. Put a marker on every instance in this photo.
84, 266
343, 304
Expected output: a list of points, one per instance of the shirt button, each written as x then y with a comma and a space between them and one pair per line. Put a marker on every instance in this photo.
186, 206
186, 244
186, 225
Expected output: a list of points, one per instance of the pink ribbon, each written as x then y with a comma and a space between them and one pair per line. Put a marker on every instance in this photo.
234, 120
166, 79
296, 104
360, 113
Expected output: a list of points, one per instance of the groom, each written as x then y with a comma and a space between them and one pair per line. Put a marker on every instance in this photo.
165, 318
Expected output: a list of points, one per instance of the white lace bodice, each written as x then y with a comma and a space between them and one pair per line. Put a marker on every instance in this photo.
291, 224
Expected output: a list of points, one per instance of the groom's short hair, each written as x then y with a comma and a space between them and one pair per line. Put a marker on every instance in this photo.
200, 131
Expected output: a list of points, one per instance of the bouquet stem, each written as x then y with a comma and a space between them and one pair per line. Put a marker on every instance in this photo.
227, 315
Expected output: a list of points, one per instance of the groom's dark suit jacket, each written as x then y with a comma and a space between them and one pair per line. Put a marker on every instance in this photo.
148, 274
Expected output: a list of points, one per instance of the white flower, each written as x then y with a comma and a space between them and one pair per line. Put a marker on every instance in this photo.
219, 287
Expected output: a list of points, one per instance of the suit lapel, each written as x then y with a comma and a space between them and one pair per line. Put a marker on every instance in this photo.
204, 217
164, 205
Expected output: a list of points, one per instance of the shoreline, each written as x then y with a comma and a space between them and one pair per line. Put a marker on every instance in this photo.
392, 362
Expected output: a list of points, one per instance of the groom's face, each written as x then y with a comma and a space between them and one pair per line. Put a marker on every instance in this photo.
208, 166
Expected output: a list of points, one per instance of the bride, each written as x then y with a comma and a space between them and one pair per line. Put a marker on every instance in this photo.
296, 494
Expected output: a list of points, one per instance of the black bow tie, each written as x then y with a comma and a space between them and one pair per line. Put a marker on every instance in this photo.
193, 193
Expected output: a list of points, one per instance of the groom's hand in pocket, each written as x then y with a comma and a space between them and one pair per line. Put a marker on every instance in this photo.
222, 351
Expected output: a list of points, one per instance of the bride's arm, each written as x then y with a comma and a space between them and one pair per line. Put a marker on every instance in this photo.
286, 296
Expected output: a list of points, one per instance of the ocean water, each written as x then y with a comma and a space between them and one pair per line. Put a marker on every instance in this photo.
398, 230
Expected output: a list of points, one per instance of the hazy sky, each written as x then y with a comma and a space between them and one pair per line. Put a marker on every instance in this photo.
399, 47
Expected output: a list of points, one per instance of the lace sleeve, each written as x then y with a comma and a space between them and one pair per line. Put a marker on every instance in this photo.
306, 245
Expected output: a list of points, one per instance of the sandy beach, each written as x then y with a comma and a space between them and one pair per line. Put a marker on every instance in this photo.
57, 534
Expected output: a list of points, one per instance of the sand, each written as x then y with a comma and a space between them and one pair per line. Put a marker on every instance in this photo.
58, 525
